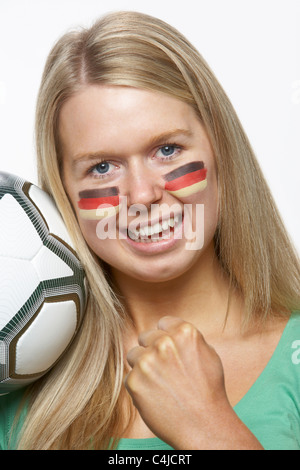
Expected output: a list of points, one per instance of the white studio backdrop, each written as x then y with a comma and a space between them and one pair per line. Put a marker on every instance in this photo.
253, 46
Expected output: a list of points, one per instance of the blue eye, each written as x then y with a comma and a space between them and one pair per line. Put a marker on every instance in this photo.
101, 168
167, 151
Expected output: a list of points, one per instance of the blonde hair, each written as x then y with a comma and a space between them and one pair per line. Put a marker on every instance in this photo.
79, 404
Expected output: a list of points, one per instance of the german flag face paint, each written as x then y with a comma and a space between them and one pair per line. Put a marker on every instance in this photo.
186, 180
97, 204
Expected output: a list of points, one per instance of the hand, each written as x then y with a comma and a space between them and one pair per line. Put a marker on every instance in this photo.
177, 385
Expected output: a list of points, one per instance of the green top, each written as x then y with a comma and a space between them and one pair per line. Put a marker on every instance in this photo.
270, 409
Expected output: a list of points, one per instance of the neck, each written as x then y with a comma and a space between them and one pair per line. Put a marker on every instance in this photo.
199, 296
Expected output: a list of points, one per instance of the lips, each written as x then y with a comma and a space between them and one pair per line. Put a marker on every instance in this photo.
97, 204
186, 180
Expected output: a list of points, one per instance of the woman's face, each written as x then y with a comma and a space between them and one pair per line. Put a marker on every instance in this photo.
146, 157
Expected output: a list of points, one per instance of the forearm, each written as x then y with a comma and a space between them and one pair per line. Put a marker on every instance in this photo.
224, 432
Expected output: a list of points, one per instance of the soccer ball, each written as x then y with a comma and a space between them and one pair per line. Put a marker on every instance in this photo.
42, 284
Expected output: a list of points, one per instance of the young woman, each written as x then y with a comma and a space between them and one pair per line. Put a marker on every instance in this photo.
191, 335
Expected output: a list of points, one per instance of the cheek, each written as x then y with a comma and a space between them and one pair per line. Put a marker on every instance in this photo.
89, 230
211, 216
211, 210
101, 237
205, 212
99, 203
186, 180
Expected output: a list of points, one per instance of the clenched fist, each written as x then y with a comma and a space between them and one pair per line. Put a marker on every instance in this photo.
177, 385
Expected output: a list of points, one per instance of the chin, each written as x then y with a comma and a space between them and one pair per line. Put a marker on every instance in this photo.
148, 272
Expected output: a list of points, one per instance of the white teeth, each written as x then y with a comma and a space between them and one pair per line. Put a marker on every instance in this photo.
165, 225
142, 234
156, 228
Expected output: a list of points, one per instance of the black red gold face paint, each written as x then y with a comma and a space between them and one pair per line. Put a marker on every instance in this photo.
186, 180
96, 204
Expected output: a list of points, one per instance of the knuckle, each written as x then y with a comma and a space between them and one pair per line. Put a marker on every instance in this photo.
188, 331
130, 382
145, 363
142, 338
131, 355
164, 344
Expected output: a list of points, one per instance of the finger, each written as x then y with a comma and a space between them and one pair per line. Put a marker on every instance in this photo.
128, 383
181, 330
134, 354
147, 338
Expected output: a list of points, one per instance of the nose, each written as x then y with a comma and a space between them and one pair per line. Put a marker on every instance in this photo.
144, 185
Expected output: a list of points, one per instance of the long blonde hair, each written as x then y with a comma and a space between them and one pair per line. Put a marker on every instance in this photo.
79, 404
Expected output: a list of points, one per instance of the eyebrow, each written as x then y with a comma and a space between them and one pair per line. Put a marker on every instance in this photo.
165, 136
152, 142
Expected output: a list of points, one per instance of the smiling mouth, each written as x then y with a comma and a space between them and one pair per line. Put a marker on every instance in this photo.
159, 231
